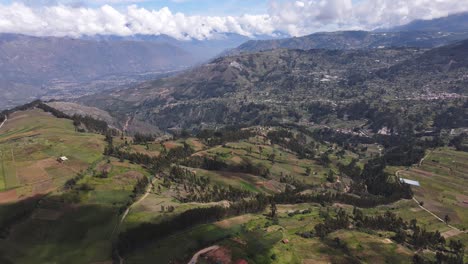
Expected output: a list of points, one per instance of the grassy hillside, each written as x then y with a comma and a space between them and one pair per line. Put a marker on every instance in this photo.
111, 187
41, 221
30, 144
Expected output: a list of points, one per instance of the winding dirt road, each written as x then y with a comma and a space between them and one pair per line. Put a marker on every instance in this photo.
195, 257
4, 121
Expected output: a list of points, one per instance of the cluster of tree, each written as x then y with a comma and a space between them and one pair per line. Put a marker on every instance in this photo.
137, 237
71, 183
179, 153
351, 170
341, 221
460, 142
139, 187
405, 233
452, 117
227, 134
53, 111
296, 143
291, 180
140, 138
378, 182
290, 196
139, 158
91, 124
215, 163
199, 189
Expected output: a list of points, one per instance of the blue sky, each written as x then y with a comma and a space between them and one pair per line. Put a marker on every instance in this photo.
189, 7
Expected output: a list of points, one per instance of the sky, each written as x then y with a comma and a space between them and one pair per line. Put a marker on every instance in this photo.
204, 19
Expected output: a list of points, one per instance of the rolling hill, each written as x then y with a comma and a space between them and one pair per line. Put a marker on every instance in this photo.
349, 40
452, 23
280, 85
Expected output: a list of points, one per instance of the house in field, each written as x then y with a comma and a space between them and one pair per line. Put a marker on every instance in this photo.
62, 159
410, 182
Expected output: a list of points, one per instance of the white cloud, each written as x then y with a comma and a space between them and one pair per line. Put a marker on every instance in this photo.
293, 17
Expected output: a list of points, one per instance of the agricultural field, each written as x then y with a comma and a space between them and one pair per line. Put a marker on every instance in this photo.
259, 239
30, 144
443, 175
87, 218
46, 223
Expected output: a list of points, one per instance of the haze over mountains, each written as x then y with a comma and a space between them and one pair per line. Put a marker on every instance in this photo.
46, 67
217, 145
420, 33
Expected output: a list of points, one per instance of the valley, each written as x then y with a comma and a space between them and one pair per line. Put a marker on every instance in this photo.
233, 139
138, 183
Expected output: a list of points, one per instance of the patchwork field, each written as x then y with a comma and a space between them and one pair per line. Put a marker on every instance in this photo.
443, 176
257, 239
85, 218
30, 144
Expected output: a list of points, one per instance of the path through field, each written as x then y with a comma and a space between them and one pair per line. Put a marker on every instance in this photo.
124, 215
195, 257
4, 121
125, 128
419, 204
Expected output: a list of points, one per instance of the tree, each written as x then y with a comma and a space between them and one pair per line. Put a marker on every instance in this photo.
331, 176
447, 219
273, 209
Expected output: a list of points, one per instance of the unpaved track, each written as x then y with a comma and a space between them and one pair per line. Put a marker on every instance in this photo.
124, 215
195, 257
419, 204
4, 121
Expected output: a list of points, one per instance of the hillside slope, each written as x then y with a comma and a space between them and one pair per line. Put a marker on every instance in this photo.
354, 40
33, 67
281, 85
452, 23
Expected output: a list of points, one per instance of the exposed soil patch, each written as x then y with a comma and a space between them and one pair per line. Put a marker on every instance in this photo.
451, 233
170, 145
387, 241
228, 223
8, 196
31, 174
197, 145
220, 255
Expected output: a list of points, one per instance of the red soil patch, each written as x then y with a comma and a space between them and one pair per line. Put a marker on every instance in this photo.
8, 196
220, 255
197, 144
36, 172
170, 145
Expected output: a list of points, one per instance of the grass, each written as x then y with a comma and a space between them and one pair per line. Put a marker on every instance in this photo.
443, 176
30, 143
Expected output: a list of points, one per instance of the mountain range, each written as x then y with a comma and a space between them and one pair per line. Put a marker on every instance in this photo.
53, 67
279, 85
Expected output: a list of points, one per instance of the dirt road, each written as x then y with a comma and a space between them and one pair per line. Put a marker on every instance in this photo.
4, 121
195, 257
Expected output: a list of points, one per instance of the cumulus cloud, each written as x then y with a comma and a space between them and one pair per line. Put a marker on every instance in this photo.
292, 17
